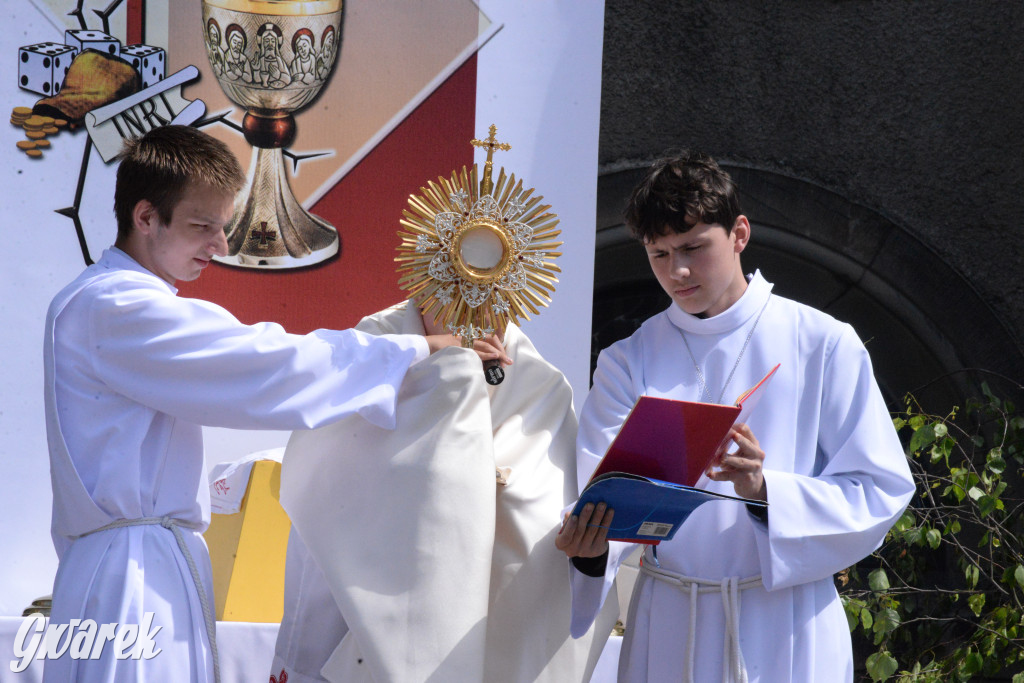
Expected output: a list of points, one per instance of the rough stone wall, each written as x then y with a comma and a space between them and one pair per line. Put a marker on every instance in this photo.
913, 109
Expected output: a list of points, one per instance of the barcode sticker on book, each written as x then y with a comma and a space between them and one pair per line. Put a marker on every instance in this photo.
654, 529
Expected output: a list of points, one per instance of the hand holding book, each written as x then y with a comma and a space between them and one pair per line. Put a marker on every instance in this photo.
742, 466
586, 535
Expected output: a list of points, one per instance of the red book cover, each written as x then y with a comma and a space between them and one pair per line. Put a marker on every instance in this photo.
672, 440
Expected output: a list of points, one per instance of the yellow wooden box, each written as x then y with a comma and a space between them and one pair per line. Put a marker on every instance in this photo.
247, 551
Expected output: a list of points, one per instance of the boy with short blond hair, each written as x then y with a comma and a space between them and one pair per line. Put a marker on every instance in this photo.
133, 371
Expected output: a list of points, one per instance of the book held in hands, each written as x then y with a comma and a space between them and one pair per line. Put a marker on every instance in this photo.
650, 473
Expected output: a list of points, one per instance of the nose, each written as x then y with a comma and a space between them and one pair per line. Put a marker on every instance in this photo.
680, 267
218, 245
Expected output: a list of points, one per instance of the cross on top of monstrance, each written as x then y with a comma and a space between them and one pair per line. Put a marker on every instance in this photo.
491, 144
478, 256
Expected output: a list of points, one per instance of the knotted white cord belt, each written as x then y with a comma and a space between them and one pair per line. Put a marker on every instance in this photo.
174, 526
734, 669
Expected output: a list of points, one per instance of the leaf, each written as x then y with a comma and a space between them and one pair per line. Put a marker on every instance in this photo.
971, 573
957, 491
940, 430
886, 621
921, 438
851, 620
914, 536
866, 619
881, 666
986, 505
1018, 574
976, 602
996, 465
934, 538
878, 580
906, 521
952, 528
972, 664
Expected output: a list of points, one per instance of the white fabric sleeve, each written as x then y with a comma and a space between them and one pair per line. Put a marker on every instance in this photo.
605, 409
818, 525
192, 359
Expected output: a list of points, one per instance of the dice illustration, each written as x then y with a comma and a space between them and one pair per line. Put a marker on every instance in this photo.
149, 61
93, 40
42, 67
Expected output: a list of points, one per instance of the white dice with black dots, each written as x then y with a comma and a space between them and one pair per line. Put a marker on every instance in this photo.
42, 67
150, 61
83, 40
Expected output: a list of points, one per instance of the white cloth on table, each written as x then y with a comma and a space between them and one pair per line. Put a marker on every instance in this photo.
413, 565
132, 371
836, 477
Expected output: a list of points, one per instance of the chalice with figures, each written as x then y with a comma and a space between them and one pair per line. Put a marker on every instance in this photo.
272, 57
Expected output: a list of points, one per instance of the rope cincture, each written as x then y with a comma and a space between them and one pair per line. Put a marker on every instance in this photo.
173, 525
733, 667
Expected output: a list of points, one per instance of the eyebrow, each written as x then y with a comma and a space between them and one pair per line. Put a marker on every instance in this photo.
688, 243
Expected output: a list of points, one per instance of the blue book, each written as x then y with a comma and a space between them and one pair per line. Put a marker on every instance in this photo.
647, 510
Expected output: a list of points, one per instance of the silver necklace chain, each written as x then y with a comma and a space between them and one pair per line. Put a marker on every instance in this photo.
705, 394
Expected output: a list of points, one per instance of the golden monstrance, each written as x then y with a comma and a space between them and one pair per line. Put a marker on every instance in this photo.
478, 255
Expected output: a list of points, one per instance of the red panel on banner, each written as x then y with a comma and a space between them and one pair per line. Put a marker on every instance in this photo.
365, 207
136, 30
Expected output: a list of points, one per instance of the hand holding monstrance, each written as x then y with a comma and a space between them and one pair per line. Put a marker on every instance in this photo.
478, 255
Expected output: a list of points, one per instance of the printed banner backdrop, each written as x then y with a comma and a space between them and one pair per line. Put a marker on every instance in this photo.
409, 86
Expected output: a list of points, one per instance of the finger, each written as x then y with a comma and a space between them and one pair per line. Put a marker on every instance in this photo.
565, 522
746, 432
740, 467
583, 520
496, 341
594, 525
491, 348
745, 448
606, 525
565, 540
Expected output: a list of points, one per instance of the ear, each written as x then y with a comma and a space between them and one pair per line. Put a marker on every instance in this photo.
144, 217
740, 233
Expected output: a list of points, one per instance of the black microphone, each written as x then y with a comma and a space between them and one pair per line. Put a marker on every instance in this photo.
493, 372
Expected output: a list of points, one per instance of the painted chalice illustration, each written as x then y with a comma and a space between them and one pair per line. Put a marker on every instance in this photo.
272, 57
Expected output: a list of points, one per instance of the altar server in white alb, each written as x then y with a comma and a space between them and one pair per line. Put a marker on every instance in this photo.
132, 371
737, 595
426, 553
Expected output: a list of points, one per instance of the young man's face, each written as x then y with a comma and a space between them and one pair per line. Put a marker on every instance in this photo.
700, 268
182, 248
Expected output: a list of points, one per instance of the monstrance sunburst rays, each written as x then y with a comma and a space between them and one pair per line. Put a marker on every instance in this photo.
477, 255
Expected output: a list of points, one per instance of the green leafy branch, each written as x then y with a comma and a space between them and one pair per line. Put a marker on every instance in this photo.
943, 597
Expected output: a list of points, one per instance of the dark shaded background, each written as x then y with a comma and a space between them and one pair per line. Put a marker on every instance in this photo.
879, 149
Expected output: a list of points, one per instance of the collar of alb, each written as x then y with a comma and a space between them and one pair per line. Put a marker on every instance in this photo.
749, 305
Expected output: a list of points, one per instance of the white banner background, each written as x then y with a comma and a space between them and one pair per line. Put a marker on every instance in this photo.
538, 80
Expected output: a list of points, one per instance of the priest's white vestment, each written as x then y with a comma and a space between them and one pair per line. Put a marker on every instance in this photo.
836, 476
131, 372
413, 564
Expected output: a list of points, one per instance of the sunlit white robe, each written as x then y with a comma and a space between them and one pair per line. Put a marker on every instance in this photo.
836, 477
132, 371
434, 573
